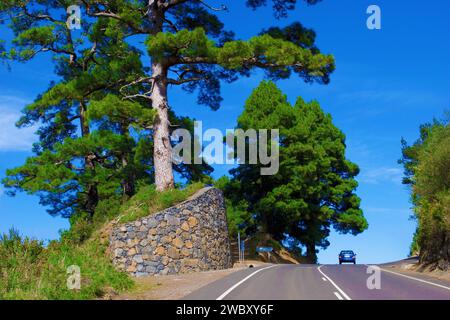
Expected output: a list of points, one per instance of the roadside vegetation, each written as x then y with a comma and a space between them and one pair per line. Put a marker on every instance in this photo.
31, 270
427, 172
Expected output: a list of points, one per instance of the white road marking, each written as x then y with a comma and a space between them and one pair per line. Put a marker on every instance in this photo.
223, 295
338, 296
334, 284
324, 279
417, 279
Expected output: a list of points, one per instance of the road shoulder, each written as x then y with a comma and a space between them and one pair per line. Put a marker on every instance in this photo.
172, 287
442, 278
410, 267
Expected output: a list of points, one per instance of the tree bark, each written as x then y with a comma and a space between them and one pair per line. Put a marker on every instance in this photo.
311, 252
129, 181
91, 189
162, 150
162, 153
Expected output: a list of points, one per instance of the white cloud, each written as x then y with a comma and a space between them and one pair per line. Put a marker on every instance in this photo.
382, 174
11, 137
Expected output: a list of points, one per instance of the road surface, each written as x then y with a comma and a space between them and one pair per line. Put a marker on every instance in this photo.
324, 282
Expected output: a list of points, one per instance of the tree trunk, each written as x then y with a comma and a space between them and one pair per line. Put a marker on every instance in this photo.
91, 189
311, 252
162, 152
128, 183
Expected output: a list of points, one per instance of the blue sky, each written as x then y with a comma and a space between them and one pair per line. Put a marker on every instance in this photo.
386, 84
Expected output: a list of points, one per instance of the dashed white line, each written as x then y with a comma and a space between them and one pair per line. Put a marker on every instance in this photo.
223, 295
338, 296
324, 279
334, 284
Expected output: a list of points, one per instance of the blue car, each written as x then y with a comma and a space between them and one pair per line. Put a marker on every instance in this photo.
347, 256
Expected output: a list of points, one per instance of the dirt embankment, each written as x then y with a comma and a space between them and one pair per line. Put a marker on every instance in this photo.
278, 255
412, 266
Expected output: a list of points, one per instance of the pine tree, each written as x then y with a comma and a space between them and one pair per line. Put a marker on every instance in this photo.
314, 187
71, 164
91, 143
188, 46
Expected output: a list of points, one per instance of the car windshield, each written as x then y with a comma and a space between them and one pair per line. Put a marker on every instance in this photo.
346, 252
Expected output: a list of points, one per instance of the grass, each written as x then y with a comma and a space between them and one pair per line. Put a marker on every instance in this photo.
147, 201
31, 271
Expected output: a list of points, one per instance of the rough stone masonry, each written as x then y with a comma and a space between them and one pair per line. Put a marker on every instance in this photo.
191, 236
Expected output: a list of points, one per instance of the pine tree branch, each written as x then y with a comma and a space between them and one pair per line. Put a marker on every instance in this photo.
171, 3
146, 95
41, 16
181, 76
108, 14
222, 7
90, 55
171, 24
183, 81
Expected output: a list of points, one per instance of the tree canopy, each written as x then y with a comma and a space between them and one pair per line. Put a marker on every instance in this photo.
314, 189
109, 106
427, 164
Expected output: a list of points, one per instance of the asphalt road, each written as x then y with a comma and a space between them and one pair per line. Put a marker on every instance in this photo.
325, 282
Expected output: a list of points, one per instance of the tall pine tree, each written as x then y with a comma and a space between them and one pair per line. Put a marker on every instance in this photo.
187, 46
314, 188
92, 145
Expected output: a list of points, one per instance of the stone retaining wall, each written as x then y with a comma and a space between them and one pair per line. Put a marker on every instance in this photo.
192, 236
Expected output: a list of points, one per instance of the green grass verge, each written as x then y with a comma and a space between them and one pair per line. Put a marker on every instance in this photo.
147, 201
29, 270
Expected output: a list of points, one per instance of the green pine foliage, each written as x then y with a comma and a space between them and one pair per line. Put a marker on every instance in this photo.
96, 121
427, 164
314, 189
240, 219
263, 51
